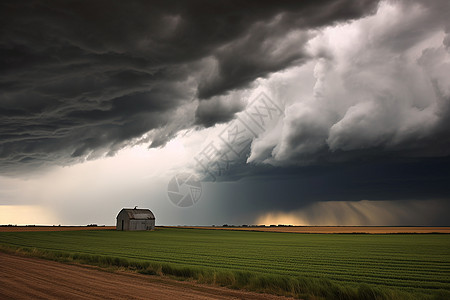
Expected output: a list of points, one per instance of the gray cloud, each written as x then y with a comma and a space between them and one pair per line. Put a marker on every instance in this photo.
383, 92
80, 80
372, 125
219, 109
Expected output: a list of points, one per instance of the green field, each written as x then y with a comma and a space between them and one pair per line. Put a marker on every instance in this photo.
305, 265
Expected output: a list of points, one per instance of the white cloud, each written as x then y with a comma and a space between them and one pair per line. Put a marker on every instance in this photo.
380, 82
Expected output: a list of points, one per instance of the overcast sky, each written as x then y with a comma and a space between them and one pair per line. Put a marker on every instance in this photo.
331, 112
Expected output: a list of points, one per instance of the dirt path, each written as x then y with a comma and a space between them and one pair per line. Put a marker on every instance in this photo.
33, 278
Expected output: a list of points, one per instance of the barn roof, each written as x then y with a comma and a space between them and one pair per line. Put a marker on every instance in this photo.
138, 213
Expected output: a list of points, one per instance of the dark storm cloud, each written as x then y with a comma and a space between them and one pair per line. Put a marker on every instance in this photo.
374, 126
250, 192
80, 79
383, 92
418, 179
218, 109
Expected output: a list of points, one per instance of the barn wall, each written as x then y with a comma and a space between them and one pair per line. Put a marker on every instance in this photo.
142, 225
152, 224
126, 221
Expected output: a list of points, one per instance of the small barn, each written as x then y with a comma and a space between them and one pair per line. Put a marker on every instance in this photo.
135, 219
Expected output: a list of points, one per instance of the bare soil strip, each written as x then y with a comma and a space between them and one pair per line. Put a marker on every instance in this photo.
33, 278
52, 228
338, 229
294, 229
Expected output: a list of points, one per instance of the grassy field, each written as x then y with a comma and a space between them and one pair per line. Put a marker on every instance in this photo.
345, 266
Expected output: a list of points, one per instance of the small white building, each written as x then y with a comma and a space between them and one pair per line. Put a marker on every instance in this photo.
135, 219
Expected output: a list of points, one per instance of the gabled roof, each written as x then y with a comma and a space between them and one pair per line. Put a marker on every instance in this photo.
138, 213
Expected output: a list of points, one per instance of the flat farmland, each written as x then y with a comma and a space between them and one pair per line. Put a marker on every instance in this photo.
316, 266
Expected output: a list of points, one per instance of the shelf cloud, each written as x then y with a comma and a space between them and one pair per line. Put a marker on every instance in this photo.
81, 80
